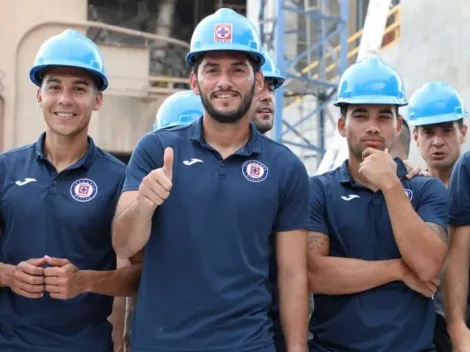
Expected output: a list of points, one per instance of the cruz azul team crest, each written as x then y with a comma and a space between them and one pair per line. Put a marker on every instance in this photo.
223, 33
83, 190
254, 171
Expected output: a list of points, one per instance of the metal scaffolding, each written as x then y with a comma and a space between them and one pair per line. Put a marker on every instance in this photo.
310, 42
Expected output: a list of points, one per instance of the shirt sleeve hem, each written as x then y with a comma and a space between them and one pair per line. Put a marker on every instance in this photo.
129, 188
318, 229
459, 221
292, 228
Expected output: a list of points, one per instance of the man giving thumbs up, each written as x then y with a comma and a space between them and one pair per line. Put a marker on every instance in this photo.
205, 278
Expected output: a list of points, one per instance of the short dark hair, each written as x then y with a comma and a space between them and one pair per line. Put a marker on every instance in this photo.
459, 124
343, 108
197, 63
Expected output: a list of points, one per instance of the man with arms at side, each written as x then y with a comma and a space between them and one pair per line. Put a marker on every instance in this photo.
377, 240
263, 118
58, 197
204, 200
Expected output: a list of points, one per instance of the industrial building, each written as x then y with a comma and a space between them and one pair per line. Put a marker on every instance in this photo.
144, 43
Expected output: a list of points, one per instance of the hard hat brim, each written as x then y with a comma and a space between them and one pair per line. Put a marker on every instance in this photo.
372, 100
37, 72
258, 57
437, 119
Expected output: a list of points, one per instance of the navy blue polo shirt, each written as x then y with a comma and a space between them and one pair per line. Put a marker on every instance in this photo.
205, 281
459, 198
65, 215
387, 318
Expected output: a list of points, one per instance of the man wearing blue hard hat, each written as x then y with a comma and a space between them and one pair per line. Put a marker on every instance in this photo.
263, 118
58, 195
180, 108
263, 102
377, 239
437, 112
204, 200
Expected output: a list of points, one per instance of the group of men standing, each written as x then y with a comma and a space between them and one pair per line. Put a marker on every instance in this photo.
218, 230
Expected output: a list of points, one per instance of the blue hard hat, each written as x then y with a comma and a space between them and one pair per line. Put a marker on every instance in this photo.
371, 81
182, 108
73, 49
435, 102
270, 71
225, 30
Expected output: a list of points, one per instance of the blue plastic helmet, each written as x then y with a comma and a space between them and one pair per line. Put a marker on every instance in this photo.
225, 30
270, 71
435, 102
371, 81
182, 108
73, 49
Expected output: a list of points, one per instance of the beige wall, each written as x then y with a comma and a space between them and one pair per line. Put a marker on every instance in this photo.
128, 110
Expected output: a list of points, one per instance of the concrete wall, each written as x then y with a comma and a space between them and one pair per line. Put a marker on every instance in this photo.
128, 110
434, 45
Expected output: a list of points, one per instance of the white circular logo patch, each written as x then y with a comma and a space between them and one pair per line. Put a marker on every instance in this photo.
254, 171
83, 190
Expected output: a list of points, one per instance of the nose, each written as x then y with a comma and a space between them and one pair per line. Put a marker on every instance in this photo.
225, 81
65, 97
373, 127
266, 96
437, 140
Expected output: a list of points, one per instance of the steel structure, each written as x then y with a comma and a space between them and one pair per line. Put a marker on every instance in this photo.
312, 69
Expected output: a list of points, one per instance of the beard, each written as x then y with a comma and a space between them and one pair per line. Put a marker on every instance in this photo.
229, 116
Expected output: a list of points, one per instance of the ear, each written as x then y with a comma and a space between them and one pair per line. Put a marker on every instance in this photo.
193, 83
342, 126
463, 130
98, 101
415, 136
399, 124
39, 97
259, 82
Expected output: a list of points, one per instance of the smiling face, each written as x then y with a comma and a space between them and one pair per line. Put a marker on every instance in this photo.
67, 97
440, 143
364, 126
264, 107
226, 83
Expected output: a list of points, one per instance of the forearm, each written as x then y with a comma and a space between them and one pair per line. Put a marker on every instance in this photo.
117, 317
293, 306
131, 229
420, 248
456, 288
336, 276
121, 282
6, 271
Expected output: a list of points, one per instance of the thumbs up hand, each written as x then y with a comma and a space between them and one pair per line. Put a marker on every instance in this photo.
156, 186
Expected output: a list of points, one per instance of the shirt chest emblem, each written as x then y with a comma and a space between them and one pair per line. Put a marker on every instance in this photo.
255, 171
83, 190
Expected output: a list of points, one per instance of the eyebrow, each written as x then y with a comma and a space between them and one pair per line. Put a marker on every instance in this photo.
236, 63
77, 81
382, 111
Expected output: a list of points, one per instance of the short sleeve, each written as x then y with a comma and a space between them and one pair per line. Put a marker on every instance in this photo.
147, 156
433, 202
317, 207
293, 208
459, 192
